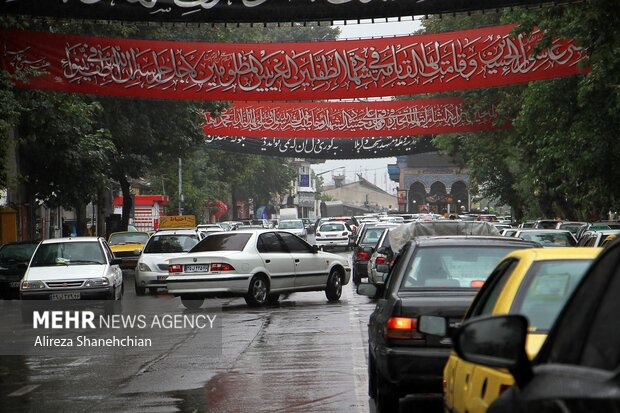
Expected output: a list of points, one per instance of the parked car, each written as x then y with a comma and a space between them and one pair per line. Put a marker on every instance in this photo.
73, 269
548, 237
152, 268
596, 238
533, 282
255, 265
334, 234
432, 275
381, 254
127, 246
14, 259
573, 226
576, 370
546, 224
364, 247
294, 226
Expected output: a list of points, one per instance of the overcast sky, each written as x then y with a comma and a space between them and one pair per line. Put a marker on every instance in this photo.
375, 170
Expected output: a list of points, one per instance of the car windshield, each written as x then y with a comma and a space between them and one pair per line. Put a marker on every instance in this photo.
291, 225
550, 239
222, 242
17, 252
547, 287
68, 253
161, 244
452, 266
129, 238
332, 227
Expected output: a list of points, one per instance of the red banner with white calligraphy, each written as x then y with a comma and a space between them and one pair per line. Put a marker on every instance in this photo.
285, 71
348, 119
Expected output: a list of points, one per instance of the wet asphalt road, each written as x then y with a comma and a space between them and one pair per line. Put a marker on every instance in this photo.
304, 355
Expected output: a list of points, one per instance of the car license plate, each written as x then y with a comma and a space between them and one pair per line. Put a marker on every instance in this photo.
196, 268
65, 296
161, 277
14, 284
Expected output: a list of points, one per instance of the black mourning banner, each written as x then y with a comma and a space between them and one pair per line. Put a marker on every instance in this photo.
246, 11
324, 148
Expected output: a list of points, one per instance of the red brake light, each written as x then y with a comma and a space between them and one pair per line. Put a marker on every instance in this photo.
364, 256
380, 260
476, 283
221, 267
401, 328
175, 268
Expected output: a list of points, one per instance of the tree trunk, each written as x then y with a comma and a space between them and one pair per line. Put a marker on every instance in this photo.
80, 219
100, 214
127, 203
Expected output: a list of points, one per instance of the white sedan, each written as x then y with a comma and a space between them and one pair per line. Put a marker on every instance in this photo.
257, 265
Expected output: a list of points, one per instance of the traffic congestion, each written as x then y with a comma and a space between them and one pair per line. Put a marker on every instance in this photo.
309, 206
439, 277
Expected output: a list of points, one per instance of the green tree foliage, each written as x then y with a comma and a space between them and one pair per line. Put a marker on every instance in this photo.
558, 158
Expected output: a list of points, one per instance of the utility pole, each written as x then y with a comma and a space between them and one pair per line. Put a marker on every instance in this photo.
180, 186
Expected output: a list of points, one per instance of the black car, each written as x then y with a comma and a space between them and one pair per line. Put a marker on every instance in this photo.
14, 259
431, 275
363, 248
577, 369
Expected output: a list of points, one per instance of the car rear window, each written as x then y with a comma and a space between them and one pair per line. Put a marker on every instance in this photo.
332, 227
550, 239
222, 242
162, 244
372, 236
452, 266
291, 225
128, 238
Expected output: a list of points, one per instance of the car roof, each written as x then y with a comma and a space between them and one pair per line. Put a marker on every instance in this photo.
69, 239
471, 240
180, 231
130, 232
563, 253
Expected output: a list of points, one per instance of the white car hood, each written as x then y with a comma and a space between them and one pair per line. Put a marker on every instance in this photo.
65, 272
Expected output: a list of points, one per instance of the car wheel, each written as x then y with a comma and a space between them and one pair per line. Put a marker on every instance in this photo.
192, 302
334, 286
386, 399
153, 290
258, 292
140, 290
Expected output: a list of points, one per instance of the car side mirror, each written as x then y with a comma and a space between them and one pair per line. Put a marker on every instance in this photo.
497, 341
117, 261
315, 249
433, 325
368, 290
383, 250
385, 268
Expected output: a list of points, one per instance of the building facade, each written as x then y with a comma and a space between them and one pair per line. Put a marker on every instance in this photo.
430, 183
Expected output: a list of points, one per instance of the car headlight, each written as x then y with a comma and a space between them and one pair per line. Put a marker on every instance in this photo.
31, 285
97, 282
143, 267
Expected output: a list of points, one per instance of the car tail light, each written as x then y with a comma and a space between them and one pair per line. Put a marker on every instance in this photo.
318, 234
401, 328
219, 266
476, 283
175, 268
345, 233
363, 256
380, 260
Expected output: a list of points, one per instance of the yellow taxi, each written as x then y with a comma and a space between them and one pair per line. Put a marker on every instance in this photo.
126, 244
534, 282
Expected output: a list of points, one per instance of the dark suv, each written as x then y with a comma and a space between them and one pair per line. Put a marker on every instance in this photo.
432, 275
365, 246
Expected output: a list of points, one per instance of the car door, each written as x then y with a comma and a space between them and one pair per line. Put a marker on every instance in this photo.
277, 260
311, 269
117, 272
465, 382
